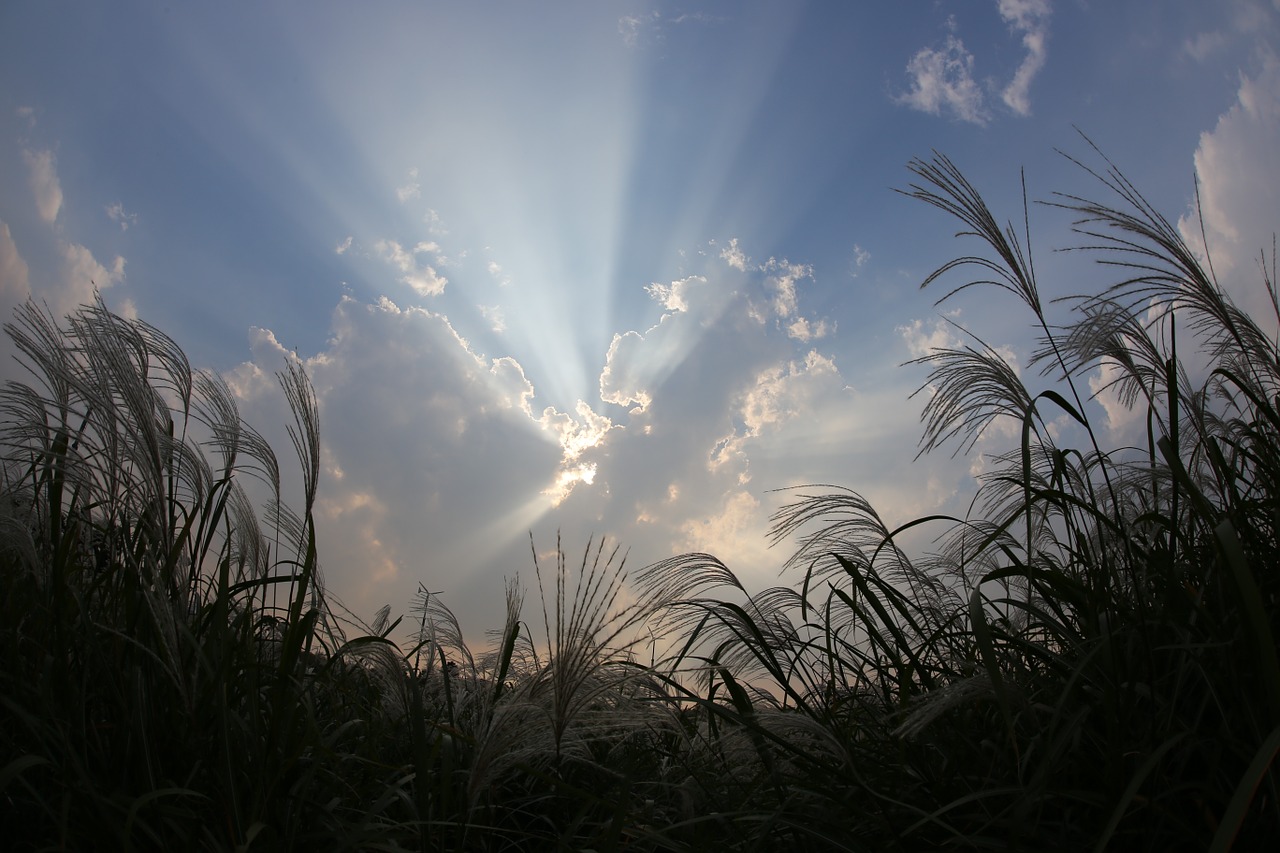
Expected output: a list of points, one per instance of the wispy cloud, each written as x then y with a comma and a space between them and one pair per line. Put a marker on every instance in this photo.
942, 79
1029, 19
637, 29
942, 83
411, 189
116, 213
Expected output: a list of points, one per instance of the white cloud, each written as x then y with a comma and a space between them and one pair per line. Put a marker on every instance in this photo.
576, 435
860, 257
673, 296
412, 189
1236, 163
15, 284
801, 329
116, 213
82, 274
942, 82
1203, 45
494, 314
733, 256
44, 183
1121, 419
621, 383
922, 340
637, 29
1030, 19
422, 278
942, 79
632, 27
69, 276
734, 533
341, 248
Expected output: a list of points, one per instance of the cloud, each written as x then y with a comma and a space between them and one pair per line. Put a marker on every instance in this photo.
733, 256
494, 314
1203, 45
15, 284
638, 29
439, 461
1236, 163
44, 183
341, 248
922, 340
942, 79
82, 274
116, 213
942, 82
422, 278
63, 274
1030, 19
425, 443
732, 533
633, 27
410, 190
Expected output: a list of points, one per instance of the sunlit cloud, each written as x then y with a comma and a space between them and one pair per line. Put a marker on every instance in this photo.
423, 278
733, 256
1239, 200
43, 179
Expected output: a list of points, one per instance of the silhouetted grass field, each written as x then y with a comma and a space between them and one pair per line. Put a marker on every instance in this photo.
1087, 661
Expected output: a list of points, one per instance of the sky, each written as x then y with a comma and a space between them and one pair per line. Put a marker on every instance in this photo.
616, 268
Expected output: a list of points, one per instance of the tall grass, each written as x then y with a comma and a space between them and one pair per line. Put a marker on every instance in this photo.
1088, 660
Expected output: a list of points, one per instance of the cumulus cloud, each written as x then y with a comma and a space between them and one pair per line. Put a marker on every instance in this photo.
423, 278
83, 273
1030, 20
425, 442
439, 461
1239, 200
942, 82
15, 284
43, 179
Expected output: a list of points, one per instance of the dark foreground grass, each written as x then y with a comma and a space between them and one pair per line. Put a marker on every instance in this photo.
1087, 661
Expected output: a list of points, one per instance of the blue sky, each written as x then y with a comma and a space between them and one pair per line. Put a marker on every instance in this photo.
612, 268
